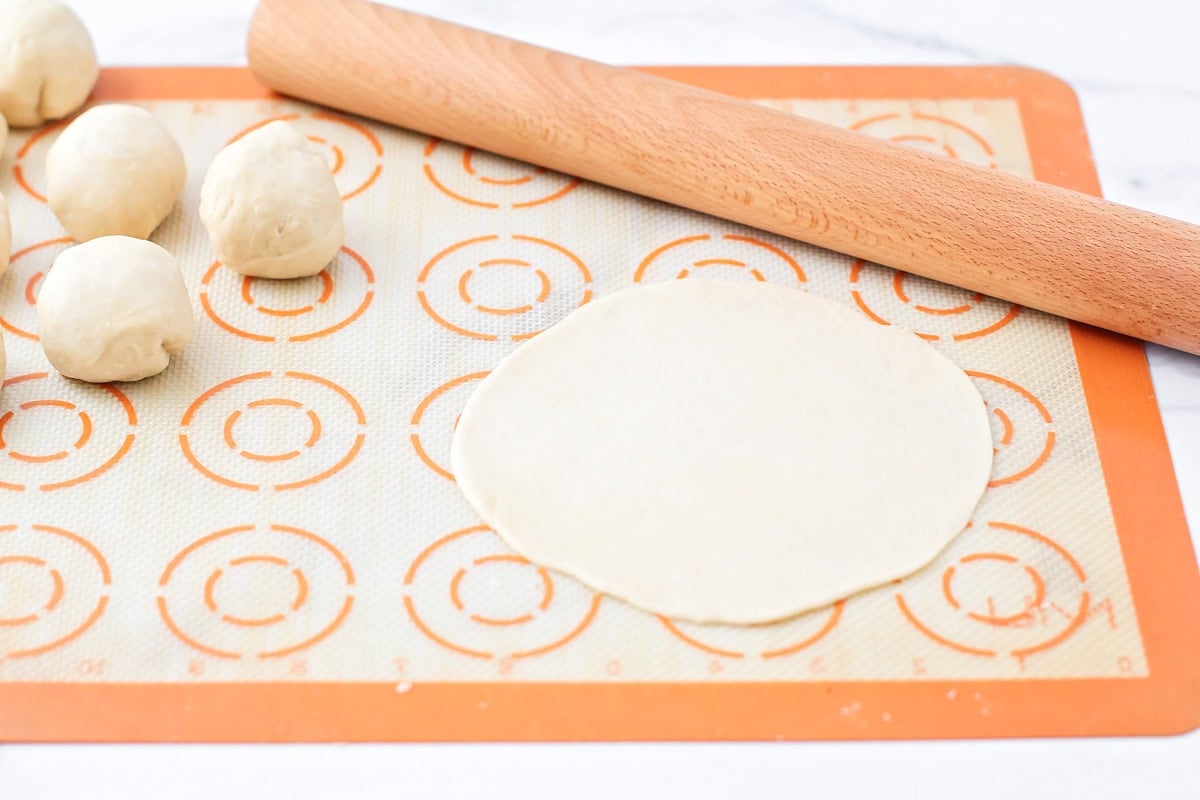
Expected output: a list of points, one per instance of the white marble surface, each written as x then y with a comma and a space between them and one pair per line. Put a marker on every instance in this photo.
1136, 68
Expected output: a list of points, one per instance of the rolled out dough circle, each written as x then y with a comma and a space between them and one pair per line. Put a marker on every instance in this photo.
725, 451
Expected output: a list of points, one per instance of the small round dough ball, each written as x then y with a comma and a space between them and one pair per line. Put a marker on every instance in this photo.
3, 363
47, 61
5, 235
271, 206
113, 309
115, 170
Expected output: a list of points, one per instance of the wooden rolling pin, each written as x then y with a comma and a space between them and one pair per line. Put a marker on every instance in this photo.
1027, 242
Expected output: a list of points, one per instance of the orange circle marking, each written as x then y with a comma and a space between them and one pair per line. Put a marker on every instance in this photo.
926, 139
716, 651
18, 167
913, 137
547, 589
314, 423
85, 430
31, 286
568, 637
301, 589
898, 288
640, 273
328, 284
298, 601
468, 167
1008, 429
916, 623
85, 434
856, 271
463, 282
501, 262
464, 279
270, 457
1029, 603
339, 159
278, 312
455, 597
57, 590
269, 402
231, 420
56, 456
1039, 594
457, 603
983, 144
252, 622
415, 438
1007, 435
829, 625
466, 164
835, 615
210, 586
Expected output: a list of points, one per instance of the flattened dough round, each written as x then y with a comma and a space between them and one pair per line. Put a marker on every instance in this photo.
725, 451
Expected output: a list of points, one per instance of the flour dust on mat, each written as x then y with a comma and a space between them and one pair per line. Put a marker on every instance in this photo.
725, 452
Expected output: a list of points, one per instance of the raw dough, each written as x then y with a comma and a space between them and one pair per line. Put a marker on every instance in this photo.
113, 309
47, 61
115, 170
725, 451
5, 235
271, 206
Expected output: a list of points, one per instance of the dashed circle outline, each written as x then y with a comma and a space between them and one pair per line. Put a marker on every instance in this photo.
122, 449
423, 627
323, 633
208, 394
835, 616
30, 286
1043, 412
1020, 653
423, 299
19, 172
414, 435
101, 601
802, 277
946, 148
229, 327
862, 305
468, 151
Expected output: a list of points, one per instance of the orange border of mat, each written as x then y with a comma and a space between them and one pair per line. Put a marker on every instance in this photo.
1133, 451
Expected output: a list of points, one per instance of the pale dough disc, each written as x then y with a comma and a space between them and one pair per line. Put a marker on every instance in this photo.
725, 451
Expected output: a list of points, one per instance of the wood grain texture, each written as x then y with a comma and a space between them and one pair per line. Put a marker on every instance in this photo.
1030, 243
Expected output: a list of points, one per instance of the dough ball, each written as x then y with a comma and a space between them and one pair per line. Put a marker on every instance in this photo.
270, 205
5, 235
3, 364
113, 309
47, 61
115, 170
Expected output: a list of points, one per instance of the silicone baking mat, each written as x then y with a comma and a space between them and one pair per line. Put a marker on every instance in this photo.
266, 541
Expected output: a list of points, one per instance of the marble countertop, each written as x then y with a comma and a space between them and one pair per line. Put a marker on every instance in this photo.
1136, 69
